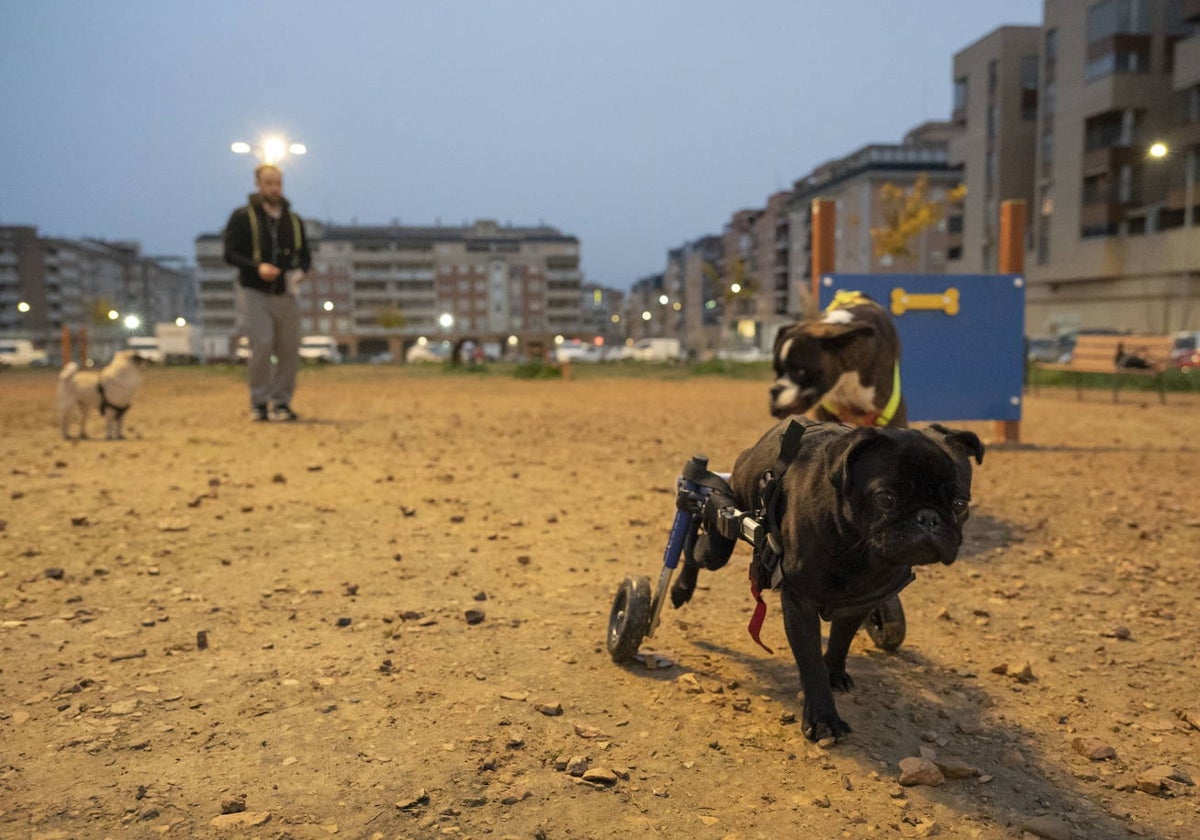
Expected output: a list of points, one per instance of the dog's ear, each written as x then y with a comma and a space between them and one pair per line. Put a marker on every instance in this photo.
839, 332
840, 467
960, 442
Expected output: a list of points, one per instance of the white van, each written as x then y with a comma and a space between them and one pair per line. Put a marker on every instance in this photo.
656, 350
18, 352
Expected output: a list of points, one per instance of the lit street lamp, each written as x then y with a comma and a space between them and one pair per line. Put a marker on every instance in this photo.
22, 307
271, 150
1160, 150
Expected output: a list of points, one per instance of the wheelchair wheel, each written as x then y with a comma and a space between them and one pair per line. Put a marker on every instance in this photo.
885, 624
629, 620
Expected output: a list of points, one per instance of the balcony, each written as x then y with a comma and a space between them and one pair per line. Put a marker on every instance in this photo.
1109, 159
1187, 61
1100, 217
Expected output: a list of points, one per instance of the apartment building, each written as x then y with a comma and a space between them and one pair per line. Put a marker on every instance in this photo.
601, 310
1113, 228
47, 283
379, 288
1064, 116
855, 185
686, 301
996, 107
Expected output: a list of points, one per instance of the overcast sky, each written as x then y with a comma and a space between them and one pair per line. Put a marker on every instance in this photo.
635, 125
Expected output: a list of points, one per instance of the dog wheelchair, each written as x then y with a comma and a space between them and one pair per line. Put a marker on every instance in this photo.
704, 501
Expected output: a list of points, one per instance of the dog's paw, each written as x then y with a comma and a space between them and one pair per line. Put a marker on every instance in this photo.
839, 680
818, 726
685, 586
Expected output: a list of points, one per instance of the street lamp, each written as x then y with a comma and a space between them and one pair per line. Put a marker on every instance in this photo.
22, 307
271, 149
1159, 150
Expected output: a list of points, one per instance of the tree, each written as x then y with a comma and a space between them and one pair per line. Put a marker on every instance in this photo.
96, 311
390, 317
906, 214
739, 281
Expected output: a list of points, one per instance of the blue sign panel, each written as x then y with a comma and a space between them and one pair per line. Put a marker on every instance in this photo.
961, 336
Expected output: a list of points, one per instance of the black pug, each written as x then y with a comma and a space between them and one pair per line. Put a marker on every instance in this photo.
856, 509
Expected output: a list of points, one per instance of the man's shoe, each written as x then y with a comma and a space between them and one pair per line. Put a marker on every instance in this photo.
258, 414
283, 413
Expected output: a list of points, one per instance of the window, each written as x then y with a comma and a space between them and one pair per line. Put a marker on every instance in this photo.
1118, 38
960, 99
1029, 87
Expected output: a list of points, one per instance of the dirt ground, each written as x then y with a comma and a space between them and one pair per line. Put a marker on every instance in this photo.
388, 621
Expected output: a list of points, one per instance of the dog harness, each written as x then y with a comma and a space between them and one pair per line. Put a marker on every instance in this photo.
761, 528
105, 404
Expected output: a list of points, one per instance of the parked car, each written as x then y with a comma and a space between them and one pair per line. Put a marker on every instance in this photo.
578, 351
1185, 353
320, 348
428, 351
19, 352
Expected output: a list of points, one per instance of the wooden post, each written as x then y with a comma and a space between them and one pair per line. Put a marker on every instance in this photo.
66, 344
824, 246
1011, 260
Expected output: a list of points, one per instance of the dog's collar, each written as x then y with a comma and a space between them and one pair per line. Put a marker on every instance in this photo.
877, 418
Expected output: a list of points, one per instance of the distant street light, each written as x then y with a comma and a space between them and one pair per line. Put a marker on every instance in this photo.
327, 306
22, 307
1161, 150
270, 150
132, 322
113, 314
646, 316
181, 322
446, 320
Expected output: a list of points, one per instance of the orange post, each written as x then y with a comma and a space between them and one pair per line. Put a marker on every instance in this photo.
66, 344
1010, 259
824, 244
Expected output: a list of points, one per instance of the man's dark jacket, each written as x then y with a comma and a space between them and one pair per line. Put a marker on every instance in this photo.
280, 250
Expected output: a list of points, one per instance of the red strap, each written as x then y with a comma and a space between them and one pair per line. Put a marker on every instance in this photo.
760, 614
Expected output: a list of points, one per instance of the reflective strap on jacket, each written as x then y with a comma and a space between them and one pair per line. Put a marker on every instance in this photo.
256, 241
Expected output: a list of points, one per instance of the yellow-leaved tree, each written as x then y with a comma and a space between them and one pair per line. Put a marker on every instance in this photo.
907, 213
740, 283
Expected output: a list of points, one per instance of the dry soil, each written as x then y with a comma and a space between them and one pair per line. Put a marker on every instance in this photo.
388, 621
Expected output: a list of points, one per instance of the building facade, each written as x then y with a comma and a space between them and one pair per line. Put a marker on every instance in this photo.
855, 184
48, 283
996, 107
1112, 228
378, 289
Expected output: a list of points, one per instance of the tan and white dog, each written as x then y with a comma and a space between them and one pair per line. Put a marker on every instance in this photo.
109, 390
844, 365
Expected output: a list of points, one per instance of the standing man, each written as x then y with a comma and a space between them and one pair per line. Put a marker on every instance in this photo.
267, 244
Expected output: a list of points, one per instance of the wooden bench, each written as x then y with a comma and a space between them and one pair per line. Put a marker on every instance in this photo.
1118, 356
